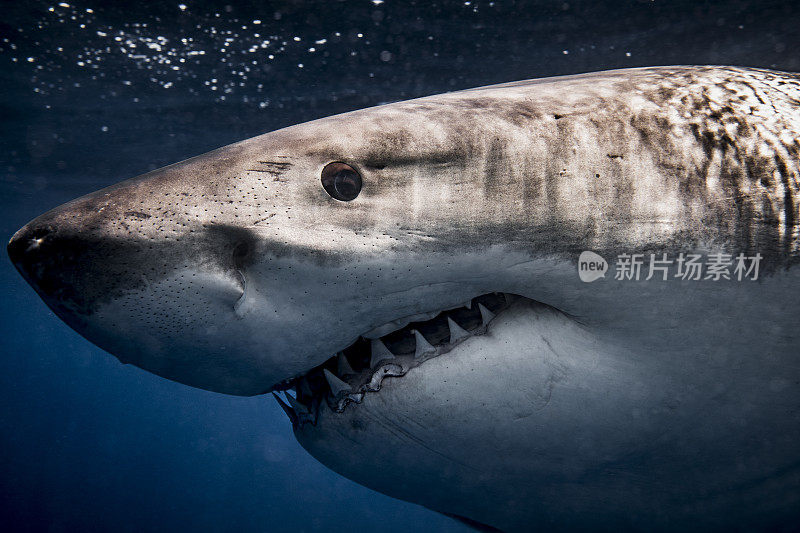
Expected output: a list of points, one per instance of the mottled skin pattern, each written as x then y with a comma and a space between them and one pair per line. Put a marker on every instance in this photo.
234, 271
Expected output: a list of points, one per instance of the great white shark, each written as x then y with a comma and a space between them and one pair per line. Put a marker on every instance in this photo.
405, 277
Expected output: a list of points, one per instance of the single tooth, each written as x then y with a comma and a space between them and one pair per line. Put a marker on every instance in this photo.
456, 332
379, 353
296, 405
336, 384
508, 298
343, 365
486, 315
423, 346
305, 388
468, 305
286, 409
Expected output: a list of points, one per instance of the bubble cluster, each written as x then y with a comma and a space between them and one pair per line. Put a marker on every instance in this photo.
207, 52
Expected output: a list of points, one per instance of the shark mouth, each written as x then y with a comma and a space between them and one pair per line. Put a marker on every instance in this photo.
360, 368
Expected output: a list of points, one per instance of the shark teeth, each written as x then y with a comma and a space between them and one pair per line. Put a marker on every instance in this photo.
349, 375
303, 388
286, 409
343, 366
456, 332
297, 406
298, 412
423, 347
486, 315
337, 385
379, 352
400, 323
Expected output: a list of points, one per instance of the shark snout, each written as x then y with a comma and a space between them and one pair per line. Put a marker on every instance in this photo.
28, 251
58, 265
23, 248
156, 290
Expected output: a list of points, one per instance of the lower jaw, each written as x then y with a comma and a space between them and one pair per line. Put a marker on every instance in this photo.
360, 369
456, 433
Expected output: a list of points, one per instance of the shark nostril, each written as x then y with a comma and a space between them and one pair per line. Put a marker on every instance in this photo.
241, 252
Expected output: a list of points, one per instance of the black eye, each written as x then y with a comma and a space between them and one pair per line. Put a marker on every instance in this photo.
341, 181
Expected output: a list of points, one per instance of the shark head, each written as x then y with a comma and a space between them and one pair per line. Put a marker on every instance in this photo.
436, 241
245, 267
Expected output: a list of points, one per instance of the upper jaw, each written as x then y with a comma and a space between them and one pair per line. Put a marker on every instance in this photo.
359, 369
400, 323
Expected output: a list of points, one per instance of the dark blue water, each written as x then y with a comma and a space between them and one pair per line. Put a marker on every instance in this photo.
93, 93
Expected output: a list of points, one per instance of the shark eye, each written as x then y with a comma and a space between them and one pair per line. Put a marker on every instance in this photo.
341, 181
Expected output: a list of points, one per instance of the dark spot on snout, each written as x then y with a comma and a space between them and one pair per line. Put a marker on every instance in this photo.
24, 249
55, 265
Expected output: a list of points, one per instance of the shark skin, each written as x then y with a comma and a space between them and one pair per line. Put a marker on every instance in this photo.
430, 338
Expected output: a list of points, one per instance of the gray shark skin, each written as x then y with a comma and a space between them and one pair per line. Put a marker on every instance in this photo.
476, 374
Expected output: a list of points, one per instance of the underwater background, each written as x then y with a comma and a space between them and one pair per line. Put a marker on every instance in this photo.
95, 92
